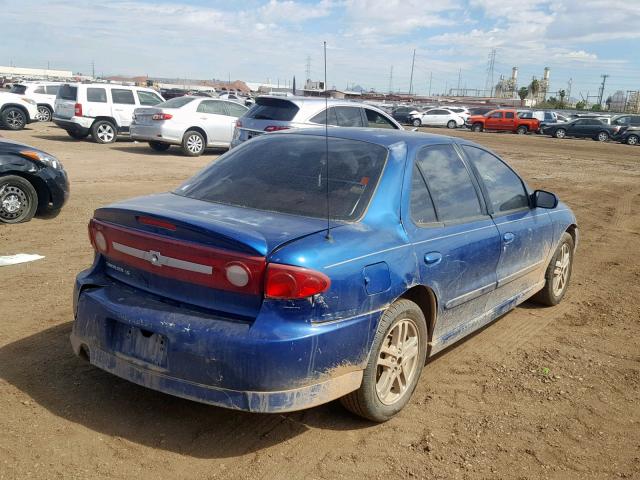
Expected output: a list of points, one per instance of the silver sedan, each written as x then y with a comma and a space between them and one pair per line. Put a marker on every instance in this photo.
194, 123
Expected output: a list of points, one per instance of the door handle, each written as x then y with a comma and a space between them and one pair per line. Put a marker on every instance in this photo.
508, 237
432, 258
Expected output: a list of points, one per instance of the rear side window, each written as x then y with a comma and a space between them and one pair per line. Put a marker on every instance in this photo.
422, 211
147, 98
509, 115
321, 118
176, 102
52, 89
122, 96
97, 95
288, 175
19, 89
349, 116
505, 189
449, 182
235, 110
377, 120
40, 89
212, 107
68, 92
273, 109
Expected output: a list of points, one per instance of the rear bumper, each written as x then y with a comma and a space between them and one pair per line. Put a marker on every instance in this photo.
269, 365
77, 125
156, 133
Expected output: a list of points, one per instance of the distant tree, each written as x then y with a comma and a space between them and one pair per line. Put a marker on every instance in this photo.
608, 103
581, 105
523, 93
596, 108
562, 94
534, 87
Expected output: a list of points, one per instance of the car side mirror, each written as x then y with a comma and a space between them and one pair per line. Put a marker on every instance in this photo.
543, 199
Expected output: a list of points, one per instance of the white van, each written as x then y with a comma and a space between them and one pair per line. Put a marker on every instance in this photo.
100, 109
43, 93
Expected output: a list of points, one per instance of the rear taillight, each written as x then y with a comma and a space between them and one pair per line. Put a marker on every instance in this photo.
238, 123
97, 237
162, 116
288, 282
275, 128
77, 109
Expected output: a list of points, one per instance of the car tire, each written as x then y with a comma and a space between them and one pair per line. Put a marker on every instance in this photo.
602, 137
376, 398
104, 131
44, 113
416, 122
632, 140
522, 130
18, 200
477, 127
558, 273
159, 146
13, 118
193, 143
77, 135
452, 124
560, 133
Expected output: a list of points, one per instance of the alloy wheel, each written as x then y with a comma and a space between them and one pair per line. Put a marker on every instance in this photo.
194, 143
632, 140
397, 362
44, 114
561, 270
15, 119
560, 133
106, 133
603, 137
13, 202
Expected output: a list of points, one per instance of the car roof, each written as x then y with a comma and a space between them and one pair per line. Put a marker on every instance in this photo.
318, 101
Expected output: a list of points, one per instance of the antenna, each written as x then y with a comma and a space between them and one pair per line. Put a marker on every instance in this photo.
326, 139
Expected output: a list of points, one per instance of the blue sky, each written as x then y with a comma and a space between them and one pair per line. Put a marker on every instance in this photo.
257, 40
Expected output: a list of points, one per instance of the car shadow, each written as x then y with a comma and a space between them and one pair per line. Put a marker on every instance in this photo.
144, 149
44, 368
61, 138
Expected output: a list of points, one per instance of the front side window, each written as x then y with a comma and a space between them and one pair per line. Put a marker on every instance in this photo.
509, 115
122, 96
18, 89
496, 115
148, 98
422, 211
449, 183
98, 95
505, 189
377, 120
288, 175
349, 117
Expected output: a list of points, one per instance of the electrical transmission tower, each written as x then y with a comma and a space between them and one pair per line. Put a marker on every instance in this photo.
391, 80
308, 67
488, 86
569, 89
601, 91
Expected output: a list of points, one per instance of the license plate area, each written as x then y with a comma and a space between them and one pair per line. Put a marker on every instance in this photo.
140, 344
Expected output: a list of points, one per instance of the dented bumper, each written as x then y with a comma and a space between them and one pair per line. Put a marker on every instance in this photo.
267, 365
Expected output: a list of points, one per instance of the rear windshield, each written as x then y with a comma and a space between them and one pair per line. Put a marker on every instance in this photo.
176, 102
273, 109
288, 175
19, 89
67, 92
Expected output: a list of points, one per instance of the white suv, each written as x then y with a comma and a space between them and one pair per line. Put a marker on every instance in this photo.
43, 93
16, 111
100, 109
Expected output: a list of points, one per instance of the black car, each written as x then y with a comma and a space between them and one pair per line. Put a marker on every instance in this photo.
402, 114
630, 136
32, 182
626, 120
582, 128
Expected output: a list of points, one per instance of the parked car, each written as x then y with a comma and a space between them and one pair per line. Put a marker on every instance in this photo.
506, 120
544, 117
437, 117
460, 111
238, 290
43, 93
169, 93
194, 123
480, 110
271, 114
231, 96
582, 128
16, 111
32, 182
626, 120
629, 135
402, 114
102, 110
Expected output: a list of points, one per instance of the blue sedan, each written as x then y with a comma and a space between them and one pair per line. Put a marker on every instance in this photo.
298, 269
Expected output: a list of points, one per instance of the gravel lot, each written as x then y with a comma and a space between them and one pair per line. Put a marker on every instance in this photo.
541, 393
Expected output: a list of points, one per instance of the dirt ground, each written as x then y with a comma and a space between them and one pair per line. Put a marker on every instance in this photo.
541, 393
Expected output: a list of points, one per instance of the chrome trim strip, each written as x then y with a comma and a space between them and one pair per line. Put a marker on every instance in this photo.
159, 260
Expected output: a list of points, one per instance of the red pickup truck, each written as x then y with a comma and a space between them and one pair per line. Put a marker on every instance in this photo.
502, 120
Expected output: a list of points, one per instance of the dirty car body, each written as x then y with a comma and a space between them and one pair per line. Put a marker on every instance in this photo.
190, 292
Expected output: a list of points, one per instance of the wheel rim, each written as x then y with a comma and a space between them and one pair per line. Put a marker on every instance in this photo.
632, 140
602, 136
416, 123
397, 362
43, 114
451, 124
13, 202
560, 134
561, 270
15, 119
194, 143
106, 133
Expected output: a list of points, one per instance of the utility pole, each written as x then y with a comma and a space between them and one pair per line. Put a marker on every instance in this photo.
569, 89
459, 75
430, 79
93, 69
391, 80
308, 68
412, 65
488, 86
601, 92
